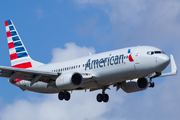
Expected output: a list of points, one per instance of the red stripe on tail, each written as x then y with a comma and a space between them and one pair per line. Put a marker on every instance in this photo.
11, 45
6, 23
23, 65
8, 34
13, 56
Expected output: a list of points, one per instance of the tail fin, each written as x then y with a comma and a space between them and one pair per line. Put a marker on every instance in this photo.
18, 54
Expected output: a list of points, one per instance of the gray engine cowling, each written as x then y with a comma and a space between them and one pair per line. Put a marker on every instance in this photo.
135, 85
69, 80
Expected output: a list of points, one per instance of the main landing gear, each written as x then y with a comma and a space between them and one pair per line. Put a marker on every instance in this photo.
102, 97
64, 95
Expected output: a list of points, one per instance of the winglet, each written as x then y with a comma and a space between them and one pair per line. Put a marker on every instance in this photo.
173, 68
173, 65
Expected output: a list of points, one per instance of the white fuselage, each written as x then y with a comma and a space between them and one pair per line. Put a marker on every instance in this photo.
107, 68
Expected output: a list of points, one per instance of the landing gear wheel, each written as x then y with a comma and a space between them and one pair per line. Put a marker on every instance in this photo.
61, 95
99, 97
105, 98
67, 96
151, 84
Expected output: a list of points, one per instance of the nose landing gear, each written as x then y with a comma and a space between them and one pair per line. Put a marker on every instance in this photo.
153, 75
151, 84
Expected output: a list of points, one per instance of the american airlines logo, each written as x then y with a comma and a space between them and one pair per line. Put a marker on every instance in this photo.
130, 56
107, 61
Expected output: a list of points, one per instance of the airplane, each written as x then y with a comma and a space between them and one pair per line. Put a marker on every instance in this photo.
131, 69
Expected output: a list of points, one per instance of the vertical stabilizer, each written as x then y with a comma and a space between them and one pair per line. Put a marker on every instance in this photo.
18, 54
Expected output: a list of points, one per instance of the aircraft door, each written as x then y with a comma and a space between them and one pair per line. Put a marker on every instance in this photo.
137, 62
136, 56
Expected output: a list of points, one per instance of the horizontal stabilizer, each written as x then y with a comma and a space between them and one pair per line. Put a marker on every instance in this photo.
27, 74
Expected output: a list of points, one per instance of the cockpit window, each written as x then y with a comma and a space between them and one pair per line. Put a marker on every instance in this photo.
155, 52
163, 52
150, 52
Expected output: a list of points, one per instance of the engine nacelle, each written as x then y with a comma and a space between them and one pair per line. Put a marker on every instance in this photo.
69, 80
135, 85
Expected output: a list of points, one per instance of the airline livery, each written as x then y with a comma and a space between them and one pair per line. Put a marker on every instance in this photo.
131, 69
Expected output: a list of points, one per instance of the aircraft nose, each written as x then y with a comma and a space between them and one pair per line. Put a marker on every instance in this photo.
163, 60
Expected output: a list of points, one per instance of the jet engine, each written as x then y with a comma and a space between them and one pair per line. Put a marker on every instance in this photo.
69, 80
134, 85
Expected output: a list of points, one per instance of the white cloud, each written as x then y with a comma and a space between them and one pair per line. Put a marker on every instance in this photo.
161, 102
82, 106
139, 22
71, 51
129, 12
120, 12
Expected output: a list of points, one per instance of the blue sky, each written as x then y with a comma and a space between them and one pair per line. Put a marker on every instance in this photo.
62, 29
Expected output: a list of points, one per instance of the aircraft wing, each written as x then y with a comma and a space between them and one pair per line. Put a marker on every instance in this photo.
173, 68
27, 74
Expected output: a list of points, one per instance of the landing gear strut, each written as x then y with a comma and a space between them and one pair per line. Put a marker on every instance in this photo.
102, 97
153, 75
64, 95
151, 84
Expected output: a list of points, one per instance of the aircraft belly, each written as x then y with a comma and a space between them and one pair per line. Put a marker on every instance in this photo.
39, 87
117, 74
